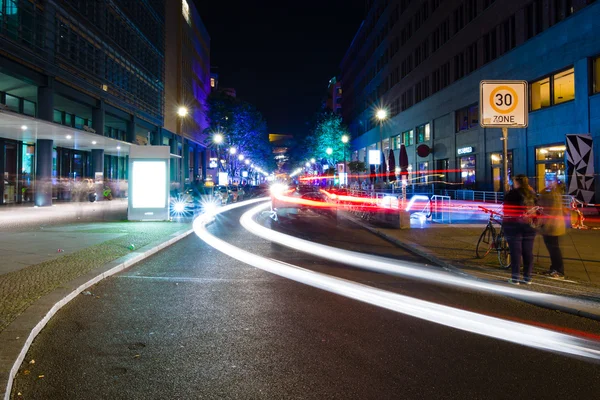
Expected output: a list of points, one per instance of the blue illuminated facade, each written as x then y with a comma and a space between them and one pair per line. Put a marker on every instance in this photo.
554, 45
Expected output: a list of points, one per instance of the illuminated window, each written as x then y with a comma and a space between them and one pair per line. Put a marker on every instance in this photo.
554, 89
540, 94
423, 133
596, 77
212, 82
467, 118
550, 165
408, 137
564, 86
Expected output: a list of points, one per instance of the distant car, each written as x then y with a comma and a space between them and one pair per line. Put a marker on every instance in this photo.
303, 200
236, 193
222, 194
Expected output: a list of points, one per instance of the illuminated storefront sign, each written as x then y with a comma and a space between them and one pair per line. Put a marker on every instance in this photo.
374, 157
465, 150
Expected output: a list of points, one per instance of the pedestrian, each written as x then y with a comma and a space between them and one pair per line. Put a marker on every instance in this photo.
552, 228
519, 232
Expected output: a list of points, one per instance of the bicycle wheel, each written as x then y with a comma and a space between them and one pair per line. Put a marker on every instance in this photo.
484, 244
503, 251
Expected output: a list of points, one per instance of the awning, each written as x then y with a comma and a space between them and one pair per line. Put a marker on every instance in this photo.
28, 129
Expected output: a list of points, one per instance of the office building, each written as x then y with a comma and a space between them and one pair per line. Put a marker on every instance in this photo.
80, 83
423, 61
187, 84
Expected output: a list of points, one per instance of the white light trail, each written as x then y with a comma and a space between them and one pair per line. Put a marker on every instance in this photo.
388, 266
497, 328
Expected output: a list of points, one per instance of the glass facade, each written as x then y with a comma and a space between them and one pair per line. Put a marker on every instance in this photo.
498, 170
554, 89
408, 137
467, 171
550, 165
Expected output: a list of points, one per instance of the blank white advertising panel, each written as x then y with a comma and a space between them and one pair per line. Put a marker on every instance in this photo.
148, 184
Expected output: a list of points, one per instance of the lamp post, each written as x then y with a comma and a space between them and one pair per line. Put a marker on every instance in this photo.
329, 152
345, 140
381, 116
182, 112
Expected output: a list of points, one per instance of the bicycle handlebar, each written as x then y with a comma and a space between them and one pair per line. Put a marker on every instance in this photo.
491, 212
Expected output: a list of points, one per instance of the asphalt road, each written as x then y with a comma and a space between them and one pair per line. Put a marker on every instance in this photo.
191, 322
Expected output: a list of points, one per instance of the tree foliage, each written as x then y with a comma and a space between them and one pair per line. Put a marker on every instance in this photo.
357, 167
327, 133
242, 127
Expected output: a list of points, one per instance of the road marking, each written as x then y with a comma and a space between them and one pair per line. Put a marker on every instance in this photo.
187, 279
468, 321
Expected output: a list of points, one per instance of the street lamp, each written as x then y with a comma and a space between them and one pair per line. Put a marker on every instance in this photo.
218, 138
345, 141
182, 112
312, 160
381, 115
241, 157
247, 162
329, 151
232, 150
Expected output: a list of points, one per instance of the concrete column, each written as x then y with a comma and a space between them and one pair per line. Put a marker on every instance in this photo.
582, 103
174, 161
185, 165
204, 156
45, 104
196, 156
43, 173
130, 135
2, 163
157, 141
98, 166
98, 118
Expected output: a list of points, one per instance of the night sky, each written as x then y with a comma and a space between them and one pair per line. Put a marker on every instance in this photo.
280, 55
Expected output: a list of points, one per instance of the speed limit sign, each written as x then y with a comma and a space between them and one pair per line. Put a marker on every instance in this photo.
503, 104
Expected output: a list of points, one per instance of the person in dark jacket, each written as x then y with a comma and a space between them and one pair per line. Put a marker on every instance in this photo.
520, 235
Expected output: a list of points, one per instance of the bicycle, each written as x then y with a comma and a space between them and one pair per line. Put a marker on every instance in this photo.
490, 239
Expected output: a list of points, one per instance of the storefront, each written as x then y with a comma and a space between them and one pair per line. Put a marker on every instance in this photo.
496, 163
467, 166
549, 166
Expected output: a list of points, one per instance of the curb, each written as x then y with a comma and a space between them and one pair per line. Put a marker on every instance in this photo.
592, 311
16, 339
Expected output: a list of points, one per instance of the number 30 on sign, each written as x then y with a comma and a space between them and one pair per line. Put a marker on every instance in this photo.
503, 104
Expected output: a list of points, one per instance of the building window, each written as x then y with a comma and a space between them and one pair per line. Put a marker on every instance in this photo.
212, 82
534, 18
562, 9
29, 108
423, 133
57, 117
554, 89
12, 103
550, 165
467, 171
490, 46
497, 170
596, 77
564, 86
467, 118
540, 94
408, 137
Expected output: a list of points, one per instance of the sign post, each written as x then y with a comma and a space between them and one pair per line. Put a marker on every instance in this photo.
503, 104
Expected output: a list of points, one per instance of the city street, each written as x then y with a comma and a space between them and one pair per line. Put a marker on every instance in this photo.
192, 322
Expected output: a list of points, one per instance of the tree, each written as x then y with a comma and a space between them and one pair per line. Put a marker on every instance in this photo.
327, 134
356, 167
243, 128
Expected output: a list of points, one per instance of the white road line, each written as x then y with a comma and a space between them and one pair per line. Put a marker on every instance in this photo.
497, 328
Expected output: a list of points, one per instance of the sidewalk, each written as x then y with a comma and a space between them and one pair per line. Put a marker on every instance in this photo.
455, 244
43, 249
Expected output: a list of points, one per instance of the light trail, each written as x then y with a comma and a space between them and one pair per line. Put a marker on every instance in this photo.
493, 327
